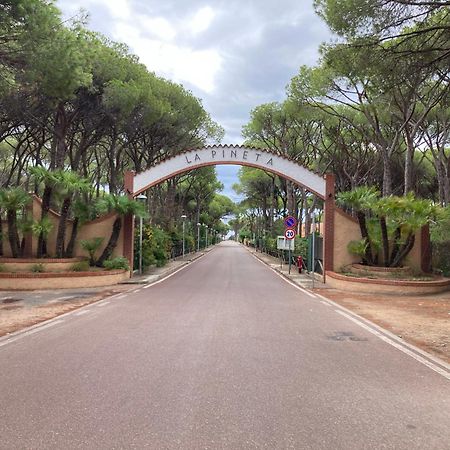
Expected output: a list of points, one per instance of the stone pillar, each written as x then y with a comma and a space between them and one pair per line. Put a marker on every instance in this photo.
328, 251
128, 220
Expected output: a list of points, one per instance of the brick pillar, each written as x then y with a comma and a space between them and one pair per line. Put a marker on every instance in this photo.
425, 249
329, 223
128, 221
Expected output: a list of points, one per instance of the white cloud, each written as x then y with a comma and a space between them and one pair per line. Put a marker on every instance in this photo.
179, 63
158, 27
201, 20
117, 8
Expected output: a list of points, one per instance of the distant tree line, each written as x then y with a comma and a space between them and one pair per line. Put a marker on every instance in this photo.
72, 101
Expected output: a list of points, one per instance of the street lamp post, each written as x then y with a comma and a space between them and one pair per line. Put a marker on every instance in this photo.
183, 217
142, 198
198, 236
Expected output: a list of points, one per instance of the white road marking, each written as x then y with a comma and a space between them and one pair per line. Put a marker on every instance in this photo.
33, 331
176, 271
99, 305
403, 349
325, 303
296, 286
84, 311
438, 366
120, 297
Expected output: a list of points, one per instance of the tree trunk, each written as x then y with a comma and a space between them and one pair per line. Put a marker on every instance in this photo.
387, 176
395, 246
368, 257
42, 240
61, 235
59, 136
385, 239
409, 156
13, 235
290, 198
107, 252
1, 236
404, 250
71, 245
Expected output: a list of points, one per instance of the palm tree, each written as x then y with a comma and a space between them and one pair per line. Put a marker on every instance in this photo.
41, 227
42, 175
122, 206
395, 219
361, 200
67, 184
13, 200
82, 212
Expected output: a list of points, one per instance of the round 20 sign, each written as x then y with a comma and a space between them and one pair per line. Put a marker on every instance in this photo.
289, 234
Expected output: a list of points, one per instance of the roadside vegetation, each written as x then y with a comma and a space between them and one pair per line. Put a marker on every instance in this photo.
76, 111
375, 111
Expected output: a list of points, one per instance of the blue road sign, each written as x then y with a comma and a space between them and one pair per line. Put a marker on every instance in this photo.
290, 222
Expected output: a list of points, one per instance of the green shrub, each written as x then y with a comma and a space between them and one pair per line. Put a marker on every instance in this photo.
38, 268
119, 262
301, 247
156, 247
81, 266
2, 268
357, 248
91, 246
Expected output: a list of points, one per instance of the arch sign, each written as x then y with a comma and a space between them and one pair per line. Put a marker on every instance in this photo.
224, 154
238, 155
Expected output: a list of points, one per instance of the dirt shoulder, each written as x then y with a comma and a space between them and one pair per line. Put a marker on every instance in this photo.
17, 313
423, 321
22, 309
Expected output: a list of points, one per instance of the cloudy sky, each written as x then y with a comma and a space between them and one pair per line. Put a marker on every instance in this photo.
233, 54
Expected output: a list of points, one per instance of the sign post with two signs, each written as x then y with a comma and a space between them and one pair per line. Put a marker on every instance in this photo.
290, 223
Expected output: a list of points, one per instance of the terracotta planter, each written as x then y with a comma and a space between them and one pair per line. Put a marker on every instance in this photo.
381, 272
62, 280
49, 264
386, 286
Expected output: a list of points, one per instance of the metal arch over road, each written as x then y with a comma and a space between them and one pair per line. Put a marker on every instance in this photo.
322, 186
230, 154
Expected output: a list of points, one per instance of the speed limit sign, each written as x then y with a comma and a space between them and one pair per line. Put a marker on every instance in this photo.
289, 234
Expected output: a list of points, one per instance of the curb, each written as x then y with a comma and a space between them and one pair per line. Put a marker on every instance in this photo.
146, 280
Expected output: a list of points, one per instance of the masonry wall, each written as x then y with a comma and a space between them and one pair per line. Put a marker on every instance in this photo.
101, 227
347, 229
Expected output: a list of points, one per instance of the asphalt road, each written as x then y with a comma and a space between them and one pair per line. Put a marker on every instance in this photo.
223, 354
